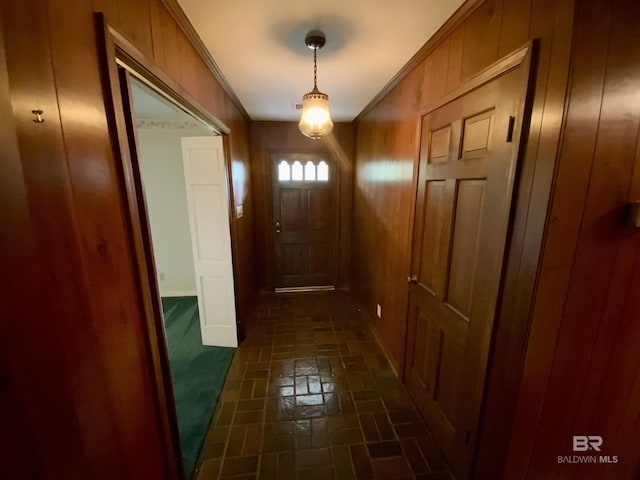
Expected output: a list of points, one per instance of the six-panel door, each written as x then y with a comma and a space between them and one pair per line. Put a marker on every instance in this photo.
466, 175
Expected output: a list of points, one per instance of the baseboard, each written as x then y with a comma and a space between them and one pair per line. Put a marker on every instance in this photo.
320, 288
179, 293
376, 335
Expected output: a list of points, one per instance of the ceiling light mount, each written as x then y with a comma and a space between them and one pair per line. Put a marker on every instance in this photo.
315, 120
315, 39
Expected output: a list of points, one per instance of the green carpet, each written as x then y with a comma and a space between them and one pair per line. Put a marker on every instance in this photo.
198, 374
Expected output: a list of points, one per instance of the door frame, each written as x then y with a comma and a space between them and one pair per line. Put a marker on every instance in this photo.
120, 60
490, 428
269, 193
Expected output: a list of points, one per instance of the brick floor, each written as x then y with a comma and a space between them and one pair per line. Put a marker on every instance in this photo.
310, 395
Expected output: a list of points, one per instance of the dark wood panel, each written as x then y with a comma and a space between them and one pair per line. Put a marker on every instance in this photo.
50, 392
514, 31
589, 258
109, 8
112, 293
456, 48
435, 238
481, 38
135, 22
170, 33
92, 398
155, 19
384, 139
464, 247
439, 64
529, 222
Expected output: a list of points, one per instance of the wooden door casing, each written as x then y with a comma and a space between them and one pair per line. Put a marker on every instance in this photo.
305, 225
468, 159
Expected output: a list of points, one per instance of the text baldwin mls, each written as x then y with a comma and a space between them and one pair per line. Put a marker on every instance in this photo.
584, 443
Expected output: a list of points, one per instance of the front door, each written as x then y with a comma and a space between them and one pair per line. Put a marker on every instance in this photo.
468, 155
304, 220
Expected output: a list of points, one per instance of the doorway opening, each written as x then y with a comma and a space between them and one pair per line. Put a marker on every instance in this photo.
186, 221
176, 185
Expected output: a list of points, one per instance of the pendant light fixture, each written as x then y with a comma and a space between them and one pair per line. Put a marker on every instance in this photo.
315, 121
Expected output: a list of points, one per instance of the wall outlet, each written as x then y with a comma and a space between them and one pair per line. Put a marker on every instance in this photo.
161, 275
379, 311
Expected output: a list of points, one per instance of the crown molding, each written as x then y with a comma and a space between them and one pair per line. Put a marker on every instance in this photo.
156, 124
453, 22
185, 25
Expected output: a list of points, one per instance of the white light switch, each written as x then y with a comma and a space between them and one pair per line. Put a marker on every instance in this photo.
239, 211
379, 311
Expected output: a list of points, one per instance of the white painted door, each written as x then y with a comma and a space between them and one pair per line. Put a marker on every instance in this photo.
208, 205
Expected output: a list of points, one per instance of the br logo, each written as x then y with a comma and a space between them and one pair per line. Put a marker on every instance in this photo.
582, 443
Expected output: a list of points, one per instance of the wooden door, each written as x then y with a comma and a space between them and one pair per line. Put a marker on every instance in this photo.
468, 159
304, 220
205, 176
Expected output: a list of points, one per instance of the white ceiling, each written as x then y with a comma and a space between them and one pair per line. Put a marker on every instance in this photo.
259, 47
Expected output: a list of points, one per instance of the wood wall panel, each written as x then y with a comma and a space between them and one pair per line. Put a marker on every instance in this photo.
514, 31
30, 349
76, 358
284, 137
454, 62
383, 205
482, 32
579, 373
135, 22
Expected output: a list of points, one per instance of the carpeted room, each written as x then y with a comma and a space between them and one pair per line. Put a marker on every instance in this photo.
198, 371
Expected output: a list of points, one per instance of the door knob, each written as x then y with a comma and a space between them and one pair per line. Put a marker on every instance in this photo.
277, 227
413, 279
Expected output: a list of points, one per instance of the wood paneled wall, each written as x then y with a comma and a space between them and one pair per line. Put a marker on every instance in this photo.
385, 170
582, 368
284, 137
78, 391
387, 144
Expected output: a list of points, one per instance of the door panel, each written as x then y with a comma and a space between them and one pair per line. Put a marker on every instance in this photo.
208, 206
465, 183
464, 244
305, 219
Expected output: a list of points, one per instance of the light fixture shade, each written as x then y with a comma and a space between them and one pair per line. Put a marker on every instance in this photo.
315, 120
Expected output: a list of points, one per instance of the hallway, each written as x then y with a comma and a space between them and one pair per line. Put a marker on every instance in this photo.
311, 395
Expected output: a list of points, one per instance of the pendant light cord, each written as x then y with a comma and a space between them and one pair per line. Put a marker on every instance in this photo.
315, 69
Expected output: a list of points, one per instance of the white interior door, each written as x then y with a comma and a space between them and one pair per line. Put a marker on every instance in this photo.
208, 205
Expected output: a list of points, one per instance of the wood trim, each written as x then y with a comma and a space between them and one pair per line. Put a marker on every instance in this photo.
141, 230
115, 108
183, 21
441, 34
235, 237
133, 59
179, 293
502, 66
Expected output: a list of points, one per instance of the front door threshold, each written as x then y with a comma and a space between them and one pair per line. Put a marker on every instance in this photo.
319, 288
